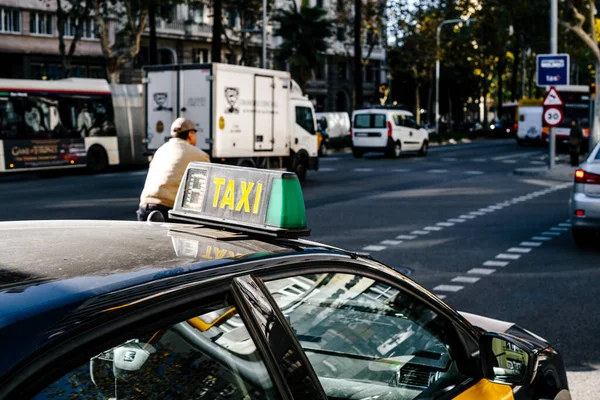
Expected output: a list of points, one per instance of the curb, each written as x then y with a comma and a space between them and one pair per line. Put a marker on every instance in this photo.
562, 172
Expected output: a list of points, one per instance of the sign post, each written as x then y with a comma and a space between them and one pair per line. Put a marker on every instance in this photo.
553, 116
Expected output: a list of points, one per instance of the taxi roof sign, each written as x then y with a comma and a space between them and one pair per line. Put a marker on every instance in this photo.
244, 199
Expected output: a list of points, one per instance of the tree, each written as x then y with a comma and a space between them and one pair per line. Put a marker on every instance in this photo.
131, 20
77, 11
585, 29
304, 32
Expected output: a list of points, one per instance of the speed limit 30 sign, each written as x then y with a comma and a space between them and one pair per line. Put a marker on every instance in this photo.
553, 116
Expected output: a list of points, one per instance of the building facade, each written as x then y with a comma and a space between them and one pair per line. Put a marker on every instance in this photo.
29, 47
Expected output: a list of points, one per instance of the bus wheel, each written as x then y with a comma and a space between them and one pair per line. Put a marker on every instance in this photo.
97, 160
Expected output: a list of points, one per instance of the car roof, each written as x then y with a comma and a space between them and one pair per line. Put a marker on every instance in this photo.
50, 269
383, 110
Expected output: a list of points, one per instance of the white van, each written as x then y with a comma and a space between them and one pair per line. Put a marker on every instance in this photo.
388, 131
530, 124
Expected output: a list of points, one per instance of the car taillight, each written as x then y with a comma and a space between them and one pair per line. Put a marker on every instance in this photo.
582, 176
389, 129
515, 126
580, 213
350, 133
586, 132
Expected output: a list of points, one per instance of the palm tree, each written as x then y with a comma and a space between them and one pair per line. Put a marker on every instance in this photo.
304, 32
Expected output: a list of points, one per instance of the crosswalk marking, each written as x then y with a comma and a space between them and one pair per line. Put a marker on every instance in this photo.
465, 279
391, 242
432, 228
406, 237
493, 263
504, 256
420, 232
543, 238
448, 288
481, 271
522, 250
445, 224
531, 244
374, 248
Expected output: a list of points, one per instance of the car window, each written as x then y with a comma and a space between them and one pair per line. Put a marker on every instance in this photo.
411, 123
365, 338
370, 121
399, 120
211, 356
304, 118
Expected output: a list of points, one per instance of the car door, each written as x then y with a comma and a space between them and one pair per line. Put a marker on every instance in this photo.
221, 342
415, 136
367, 338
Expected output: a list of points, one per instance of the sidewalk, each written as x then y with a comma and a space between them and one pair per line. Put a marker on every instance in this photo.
560, 172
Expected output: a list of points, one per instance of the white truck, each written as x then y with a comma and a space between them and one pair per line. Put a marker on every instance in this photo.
244, 116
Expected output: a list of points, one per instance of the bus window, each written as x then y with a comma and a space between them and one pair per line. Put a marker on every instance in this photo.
11, 119
91, 116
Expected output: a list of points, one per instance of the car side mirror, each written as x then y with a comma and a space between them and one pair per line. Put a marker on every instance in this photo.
507, 360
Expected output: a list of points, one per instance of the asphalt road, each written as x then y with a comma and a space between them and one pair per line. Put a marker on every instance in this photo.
485, 240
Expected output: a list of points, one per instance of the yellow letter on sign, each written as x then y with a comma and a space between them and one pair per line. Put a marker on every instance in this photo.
228, 196
244, 201
219, 182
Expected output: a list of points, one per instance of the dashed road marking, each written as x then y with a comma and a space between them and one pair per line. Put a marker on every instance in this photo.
481, 271
449, 159
477, 213
543, 238
327, 169
441, 296
363, 169
420, 232
448, 288
445, 224
467, 216
438, 171
457, 220
522, 250
504, 256
432, 228
406, 237
551, 233
531, 244
559, 229
565, 224
465, 279
494, 263
400, 170
391, 242
374, 248
474, 172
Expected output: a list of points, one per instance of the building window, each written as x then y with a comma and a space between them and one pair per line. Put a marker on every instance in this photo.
197, 14
321, 3
320, 72
41, 24
341, 33
199, 56
342, 71
11, 20
88, 32
231, 18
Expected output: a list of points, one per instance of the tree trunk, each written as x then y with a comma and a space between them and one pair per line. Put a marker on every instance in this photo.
114, 70
217, 29
430, 95
418, 103
358, 78
514, 81
153, 50
499, 107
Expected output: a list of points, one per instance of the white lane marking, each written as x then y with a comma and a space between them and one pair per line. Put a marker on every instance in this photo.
496, 208
420, 232
489, 209
327, 169
445, 224
481, 271
448, 159
363, 169
391, 242
448, 288
538, 162
324, 159
516, 155
522, 250
483, 210
466, 279
531, 244
543, 238
432, 228
551, 233
477, 213
440, 296
565, 224
493, 263
457, 220
504, 256
467, 216
374, 248
509, 161
406, 237
474, 172
559, 229
400, 170
478, 159
438, 171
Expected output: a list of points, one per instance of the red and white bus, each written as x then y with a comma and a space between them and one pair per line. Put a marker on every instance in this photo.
69, 123
578, 104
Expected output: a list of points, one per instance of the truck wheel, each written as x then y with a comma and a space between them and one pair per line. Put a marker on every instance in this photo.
357, 153
97, 160
299, 166
424, 149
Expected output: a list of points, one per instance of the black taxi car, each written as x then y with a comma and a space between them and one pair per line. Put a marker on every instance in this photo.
235, 304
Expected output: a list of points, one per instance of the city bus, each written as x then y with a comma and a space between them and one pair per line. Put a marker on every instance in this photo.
70, 123
578, 104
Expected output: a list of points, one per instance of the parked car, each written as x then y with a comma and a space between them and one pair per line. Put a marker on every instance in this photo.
471, 127
388, 131
584, 205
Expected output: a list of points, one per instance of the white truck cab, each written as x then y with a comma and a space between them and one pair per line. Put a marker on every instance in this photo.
304, 142
389, 131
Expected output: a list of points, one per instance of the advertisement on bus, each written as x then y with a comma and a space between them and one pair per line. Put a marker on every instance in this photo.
38, 153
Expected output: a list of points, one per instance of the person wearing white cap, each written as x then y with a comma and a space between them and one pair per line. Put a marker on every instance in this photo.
167, 169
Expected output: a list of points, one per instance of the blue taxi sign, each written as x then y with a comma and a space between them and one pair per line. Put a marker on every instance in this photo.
242, 199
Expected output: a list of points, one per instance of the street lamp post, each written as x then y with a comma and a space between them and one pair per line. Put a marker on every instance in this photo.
437, 68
